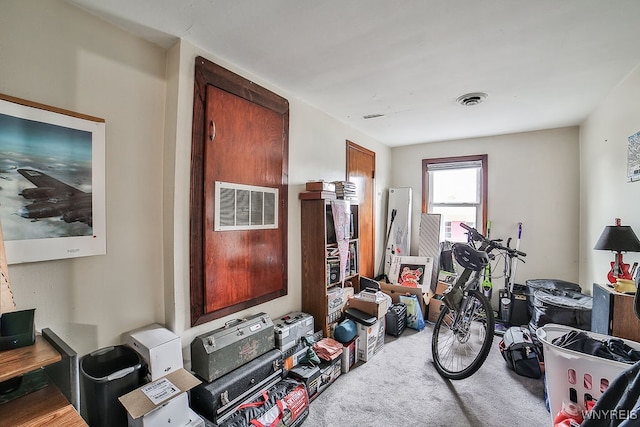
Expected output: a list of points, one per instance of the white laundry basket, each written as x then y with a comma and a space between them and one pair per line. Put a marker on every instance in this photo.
572, 376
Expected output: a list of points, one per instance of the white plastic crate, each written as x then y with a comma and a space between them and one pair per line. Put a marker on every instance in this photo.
570, 375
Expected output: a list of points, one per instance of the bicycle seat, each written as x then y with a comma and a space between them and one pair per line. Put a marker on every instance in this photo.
469, 257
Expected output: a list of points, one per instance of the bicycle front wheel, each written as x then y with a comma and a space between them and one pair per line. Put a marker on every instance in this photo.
460, 346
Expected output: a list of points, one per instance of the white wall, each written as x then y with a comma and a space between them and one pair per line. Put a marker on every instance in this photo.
605, 193
533, 179
316, 151
56, 54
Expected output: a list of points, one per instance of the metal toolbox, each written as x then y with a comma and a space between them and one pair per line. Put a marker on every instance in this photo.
238, 342
290, 328
218, 399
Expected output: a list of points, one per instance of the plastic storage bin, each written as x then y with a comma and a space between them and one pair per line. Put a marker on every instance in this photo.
570, 375
107, 374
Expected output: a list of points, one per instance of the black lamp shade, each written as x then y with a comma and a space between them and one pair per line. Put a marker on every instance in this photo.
618, 238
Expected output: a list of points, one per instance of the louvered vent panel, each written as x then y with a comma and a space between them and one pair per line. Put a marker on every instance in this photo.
245, 207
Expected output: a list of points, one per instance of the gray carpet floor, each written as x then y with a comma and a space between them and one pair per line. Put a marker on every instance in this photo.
400, 386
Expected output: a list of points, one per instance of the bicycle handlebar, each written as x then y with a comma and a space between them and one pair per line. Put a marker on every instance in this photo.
491, 244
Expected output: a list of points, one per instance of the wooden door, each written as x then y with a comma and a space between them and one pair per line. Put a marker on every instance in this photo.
361, 167
240, 144
242, 264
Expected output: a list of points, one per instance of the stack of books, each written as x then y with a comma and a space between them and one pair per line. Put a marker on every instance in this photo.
319, 190
345, 190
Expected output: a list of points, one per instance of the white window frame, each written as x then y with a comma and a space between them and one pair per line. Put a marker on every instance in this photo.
480, 162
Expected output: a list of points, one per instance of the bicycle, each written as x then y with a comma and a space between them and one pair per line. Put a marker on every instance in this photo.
463, 334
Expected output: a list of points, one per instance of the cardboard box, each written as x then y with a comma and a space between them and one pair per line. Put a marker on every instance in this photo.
350, 354
160, 348
171, 413
394, 291
435, 305
441, 287
435, 301
376, 308
337, 298
371, 339
320, 186
195, 420
161, 402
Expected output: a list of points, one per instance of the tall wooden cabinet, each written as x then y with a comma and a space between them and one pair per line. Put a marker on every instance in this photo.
320, 255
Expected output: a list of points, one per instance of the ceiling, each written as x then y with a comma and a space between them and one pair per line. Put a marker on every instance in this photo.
543, 63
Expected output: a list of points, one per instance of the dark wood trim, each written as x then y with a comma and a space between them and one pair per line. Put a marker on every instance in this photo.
484, 158
26, 103
226, 80
209, 73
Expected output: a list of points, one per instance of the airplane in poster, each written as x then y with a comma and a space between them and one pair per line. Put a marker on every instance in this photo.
52, 198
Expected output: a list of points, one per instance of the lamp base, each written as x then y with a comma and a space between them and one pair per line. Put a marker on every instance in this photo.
619, 270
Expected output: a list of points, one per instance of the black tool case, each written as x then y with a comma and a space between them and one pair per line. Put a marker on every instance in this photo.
218, 399
222, 350
396, 319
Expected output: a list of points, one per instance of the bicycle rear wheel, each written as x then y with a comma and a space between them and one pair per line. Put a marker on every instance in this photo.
460, 348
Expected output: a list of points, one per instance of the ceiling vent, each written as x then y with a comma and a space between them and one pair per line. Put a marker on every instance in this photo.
470, 99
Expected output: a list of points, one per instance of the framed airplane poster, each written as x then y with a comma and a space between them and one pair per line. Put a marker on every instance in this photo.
52, 182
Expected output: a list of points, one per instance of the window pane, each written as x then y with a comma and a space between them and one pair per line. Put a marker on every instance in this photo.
451, 217
454, 186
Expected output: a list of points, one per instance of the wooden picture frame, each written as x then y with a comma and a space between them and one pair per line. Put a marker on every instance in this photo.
52, 203
240, 137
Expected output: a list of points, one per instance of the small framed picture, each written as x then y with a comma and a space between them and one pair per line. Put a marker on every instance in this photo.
411, 271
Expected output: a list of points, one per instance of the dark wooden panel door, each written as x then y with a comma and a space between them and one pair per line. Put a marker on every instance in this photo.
245, 149
240, 138
361, 166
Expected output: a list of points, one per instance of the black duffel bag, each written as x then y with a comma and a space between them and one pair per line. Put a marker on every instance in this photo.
562, 307
520, 352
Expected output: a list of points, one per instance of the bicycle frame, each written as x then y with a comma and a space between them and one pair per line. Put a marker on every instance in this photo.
463, 280
463, 332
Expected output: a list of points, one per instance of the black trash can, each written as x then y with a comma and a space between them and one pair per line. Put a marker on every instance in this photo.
107, 374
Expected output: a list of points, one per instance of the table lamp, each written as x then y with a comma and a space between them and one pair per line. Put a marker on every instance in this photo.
618, 238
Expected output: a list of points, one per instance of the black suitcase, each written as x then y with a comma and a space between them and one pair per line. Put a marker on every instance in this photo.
396, 319
218, 399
